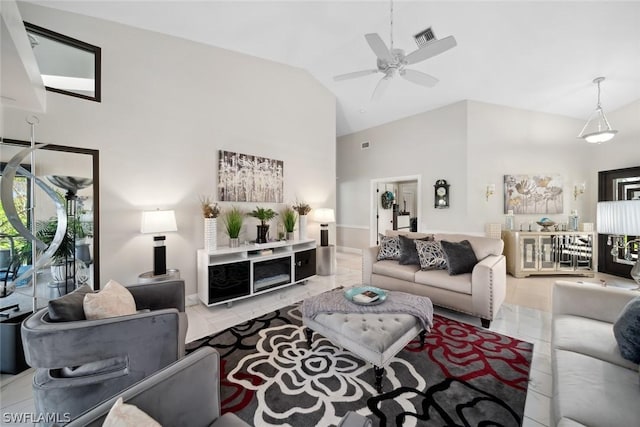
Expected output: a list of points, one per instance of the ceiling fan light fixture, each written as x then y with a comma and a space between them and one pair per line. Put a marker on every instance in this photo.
597, 129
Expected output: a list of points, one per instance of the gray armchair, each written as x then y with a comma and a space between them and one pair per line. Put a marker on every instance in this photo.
186, 393
81, 363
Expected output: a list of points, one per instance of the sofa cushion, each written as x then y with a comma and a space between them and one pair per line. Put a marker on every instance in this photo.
125, 415
441, 279
389, 247
69, 307
626, 329
431, 255
482, 246
408, 250
569, 333
594, 392
393, 269
113, 300
460, 257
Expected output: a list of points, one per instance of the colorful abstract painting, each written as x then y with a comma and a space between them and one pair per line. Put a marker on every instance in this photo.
247, 178
533, 194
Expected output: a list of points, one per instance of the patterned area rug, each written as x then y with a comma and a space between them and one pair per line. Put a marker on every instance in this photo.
463, 376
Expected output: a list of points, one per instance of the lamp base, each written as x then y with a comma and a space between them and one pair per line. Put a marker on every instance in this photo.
324, 235
159, 256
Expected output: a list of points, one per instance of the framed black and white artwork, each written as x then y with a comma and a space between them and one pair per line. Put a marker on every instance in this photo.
248, 178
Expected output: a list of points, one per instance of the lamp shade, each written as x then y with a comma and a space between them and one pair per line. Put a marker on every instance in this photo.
158, 221
620, 217
324, 215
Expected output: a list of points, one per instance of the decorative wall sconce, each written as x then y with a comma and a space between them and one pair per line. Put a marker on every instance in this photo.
491, 188
578, 189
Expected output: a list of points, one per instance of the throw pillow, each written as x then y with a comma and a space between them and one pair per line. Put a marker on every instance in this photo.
408, 251
69, 307
389, 247
125, 415
626, 329
460, 257
431, 255
113, 300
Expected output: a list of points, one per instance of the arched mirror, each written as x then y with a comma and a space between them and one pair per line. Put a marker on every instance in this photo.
73, 174
67, 65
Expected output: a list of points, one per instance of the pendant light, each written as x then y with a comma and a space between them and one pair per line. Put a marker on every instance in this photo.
597, 129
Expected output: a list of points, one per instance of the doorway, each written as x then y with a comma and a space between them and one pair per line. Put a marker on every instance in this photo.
395, 205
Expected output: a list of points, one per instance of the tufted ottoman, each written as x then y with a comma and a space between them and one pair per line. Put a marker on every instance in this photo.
374, 337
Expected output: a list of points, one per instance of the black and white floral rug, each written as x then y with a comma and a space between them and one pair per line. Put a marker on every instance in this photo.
463, 376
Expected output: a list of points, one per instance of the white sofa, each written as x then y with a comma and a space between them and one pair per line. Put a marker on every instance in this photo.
479, 293
593, 385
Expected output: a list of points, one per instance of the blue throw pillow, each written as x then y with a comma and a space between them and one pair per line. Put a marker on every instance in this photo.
627, 331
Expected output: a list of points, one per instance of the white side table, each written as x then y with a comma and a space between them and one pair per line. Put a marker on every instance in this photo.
148, 277
326, 260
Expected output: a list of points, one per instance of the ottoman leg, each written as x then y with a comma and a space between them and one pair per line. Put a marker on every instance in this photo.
309, 334
379, 372
422, 336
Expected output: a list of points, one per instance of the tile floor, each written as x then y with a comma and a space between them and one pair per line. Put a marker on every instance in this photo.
525, 315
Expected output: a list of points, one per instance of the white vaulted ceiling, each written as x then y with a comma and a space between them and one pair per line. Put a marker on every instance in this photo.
534, 55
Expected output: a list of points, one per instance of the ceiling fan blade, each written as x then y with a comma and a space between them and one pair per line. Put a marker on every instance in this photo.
381, 87
353, 75
432, 49
419, 77
378, 47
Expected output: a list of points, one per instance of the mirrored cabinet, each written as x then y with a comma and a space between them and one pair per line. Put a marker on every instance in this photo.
537, 253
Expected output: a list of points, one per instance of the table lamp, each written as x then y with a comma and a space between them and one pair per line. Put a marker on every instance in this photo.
620, 219
159, 222
324, 216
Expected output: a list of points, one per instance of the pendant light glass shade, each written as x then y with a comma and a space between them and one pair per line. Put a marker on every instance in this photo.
597, 129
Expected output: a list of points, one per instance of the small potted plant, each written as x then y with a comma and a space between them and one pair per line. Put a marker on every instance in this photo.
263, 215
289, 218
210, 212
233, 219
303, 209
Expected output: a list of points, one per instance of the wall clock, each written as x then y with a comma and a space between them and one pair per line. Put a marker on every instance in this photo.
441, 199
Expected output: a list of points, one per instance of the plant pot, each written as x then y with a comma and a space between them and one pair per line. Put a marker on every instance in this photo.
210, 234
262, 233
234, 242
291, 235
58, 272
302, 226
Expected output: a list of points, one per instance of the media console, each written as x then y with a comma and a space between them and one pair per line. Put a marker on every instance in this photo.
229, 274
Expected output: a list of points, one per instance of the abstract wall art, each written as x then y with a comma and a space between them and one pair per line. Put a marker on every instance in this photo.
248, 178
533, 194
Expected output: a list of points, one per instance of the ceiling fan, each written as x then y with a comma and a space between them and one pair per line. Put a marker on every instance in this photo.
392, 61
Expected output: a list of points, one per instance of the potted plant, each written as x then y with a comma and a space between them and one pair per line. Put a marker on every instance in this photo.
289, 218
303, 209
233, 219
210, 212
263, 215
64, 255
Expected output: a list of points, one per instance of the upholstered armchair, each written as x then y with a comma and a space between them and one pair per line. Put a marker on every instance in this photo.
81, 363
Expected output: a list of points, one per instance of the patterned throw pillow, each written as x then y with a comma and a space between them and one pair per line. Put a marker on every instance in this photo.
431, 255
389, 247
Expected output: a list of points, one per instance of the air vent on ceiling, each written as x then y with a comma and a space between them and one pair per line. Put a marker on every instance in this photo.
365, 145
424, 37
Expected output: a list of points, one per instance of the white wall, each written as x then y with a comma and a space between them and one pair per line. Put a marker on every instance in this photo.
472, 144
168, 105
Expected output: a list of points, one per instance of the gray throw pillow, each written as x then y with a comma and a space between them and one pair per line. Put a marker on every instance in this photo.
626, 329
69, 307
431, 255
460, 257
408, 250
389, 247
